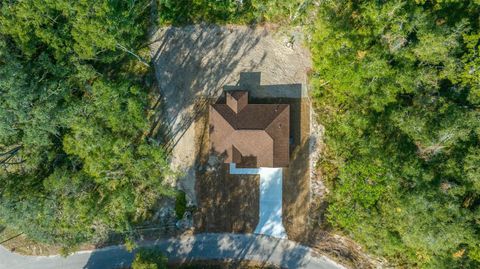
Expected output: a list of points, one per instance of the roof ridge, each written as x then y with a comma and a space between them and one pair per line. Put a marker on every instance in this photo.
278, 115
223, 117
260, 130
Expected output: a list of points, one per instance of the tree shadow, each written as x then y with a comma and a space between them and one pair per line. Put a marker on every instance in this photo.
234, 248
110, 258
264, 250
192, 67
194, 62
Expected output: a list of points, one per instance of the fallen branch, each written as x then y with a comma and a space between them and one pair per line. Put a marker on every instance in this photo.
132, 53
13, 237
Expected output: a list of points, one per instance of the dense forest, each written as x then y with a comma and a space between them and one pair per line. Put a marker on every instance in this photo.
397, 87
76, 163
395, 83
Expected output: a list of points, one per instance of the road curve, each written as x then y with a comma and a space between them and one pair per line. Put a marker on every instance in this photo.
281, 252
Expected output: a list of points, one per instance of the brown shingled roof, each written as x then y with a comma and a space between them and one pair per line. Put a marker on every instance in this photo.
250, 134
239, 94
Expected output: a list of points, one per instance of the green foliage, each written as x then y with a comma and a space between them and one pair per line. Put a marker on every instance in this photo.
396, 85
75, 30
291, 12
73, 119
231, 11
32, 94
147, 258
77, 164
192, 11
180, 204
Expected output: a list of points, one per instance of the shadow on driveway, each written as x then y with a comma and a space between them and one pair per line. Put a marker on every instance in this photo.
234, 247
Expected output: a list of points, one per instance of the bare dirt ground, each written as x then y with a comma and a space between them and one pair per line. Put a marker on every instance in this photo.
296, 181
194, 62
227, 202
193, 65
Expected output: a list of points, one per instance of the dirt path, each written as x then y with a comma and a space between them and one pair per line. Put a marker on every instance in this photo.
195, 62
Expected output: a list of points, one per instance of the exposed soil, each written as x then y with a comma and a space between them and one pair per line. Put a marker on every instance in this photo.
198, 61
226, 203
296, 181
229, 203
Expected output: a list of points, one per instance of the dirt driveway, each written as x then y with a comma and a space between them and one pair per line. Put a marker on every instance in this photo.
195, 62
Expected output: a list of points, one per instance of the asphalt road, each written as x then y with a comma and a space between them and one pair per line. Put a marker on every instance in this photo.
284, 253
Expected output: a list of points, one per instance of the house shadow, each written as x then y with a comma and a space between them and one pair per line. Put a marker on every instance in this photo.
191, 65
291, 94
251, 82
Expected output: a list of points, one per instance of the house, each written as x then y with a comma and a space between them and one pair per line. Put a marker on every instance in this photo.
250, 135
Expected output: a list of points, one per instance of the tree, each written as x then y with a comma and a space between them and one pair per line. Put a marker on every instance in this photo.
149, 259
192, 11
73, 114
76, 31
395, 84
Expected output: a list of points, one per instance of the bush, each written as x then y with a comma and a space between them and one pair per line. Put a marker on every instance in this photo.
180, 204
147, 258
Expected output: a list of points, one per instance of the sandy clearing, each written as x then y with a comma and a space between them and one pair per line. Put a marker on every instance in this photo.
196, 62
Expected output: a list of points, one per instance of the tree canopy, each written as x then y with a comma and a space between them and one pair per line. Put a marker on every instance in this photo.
396, 84
76, 161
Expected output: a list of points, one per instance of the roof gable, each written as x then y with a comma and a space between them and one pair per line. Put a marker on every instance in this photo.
258, 131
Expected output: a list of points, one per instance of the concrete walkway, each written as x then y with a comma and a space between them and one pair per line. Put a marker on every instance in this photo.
270, 221
264, 249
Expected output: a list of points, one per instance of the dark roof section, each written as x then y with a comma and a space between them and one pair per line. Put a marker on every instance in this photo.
252, 116
237, 101
237, 95
246, 132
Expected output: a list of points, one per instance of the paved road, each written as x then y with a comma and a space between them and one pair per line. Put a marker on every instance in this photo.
284, 253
